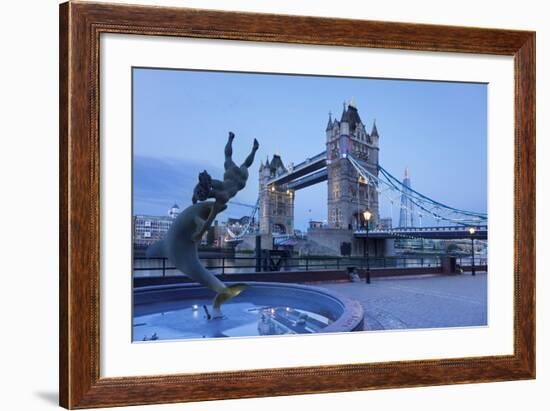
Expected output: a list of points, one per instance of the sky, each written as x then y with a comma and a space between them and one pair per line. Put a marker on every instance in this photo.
181, 120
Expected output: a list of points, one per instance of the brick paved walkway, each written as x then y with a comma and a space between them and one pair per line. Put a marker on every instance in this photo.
420, 301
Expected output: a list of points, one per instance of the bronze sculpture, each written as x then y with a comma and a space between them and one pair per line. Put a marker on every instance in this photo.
234, 180
183, 238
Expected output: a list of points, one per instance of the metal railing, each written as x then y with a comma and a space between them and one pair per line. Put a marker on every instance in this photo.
423, 229
156, 267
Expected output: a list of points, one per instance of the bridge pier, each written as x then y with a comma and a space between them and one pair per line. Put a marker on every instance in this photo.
249, 242
389, 247
375, 247
330, 239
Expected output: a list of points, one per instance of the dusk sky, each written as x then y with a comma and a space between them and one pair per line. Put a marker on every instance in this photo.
181, 121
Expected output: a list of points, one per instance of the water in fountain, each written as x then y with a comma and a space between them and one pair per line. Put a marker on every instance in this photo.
189, 319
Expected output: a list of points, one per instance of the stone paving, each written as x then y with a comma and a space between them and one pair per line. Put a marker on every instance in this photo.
429, 301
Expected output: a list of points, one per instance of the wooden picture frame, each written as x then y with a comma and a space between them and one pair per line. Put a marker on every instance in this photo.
80, 27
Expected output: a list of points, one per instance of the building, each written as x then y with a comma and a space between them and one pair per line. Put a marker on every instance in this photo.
406, 218
174, 211
385, 223
348, 194
150, 229
276, 202
215, 235
315, 224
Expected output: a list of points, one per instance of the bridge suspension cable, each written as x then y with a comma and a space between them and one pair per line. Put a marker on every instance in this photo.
439, 211
244, 204
471, 213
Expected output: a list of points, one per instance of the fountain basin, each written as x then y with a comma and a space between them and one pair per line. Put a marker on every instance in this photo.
177, 312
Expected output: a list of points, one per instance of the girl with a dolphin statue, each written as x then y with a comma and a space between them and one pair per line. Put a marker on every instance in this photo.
183, 238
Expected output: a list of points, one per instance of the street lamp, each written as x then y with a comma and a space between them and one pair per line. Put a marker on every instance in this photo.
367, 215
472, 231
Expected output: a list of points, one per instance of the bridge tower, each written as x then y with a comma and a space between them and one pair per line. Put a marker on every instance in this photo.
276, 202
348, 195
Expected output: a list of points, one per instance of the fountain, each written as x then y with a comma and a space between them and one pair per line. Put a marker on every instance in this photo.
178, 312
183, 311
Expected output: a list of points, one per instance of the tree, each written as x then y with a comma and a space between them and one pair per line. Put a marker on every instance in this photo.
345, 248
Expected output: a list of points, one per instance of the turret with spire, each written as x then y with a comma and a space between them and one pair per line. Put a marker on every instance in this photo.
329, 124
344, 120
374, 131
374, 134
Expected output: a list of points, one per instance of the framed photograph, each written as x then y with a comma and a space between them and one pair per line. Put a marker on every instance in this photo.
259, 205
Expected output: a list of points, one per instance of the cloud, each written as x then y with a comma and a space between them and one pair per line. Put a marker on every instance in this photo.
158, 183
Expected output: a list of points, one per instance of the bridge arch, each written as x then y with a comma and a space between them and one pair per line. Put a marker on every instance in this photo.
278, 228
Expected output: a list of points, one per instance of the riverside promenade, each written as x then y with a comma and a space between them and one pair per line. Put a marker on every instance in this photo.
423, 301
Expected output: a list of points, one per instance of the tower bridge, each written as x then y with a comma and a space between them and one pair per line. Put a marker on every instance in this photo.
355, 182
348, 194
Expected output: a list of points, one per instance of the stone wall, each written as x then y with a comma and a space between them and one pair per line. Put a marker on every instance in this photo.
330, 238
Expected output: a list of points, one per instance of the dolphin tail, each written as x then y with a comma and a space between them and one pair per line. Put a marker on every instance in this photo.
228, 293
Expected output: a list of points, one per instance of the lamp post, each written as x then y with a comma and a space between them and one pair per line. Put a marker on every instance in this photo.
472, 231
367, 215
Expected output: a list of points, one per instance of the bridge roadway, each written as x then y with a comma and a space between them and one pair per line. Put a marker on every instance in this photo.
311, 171
435, 233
